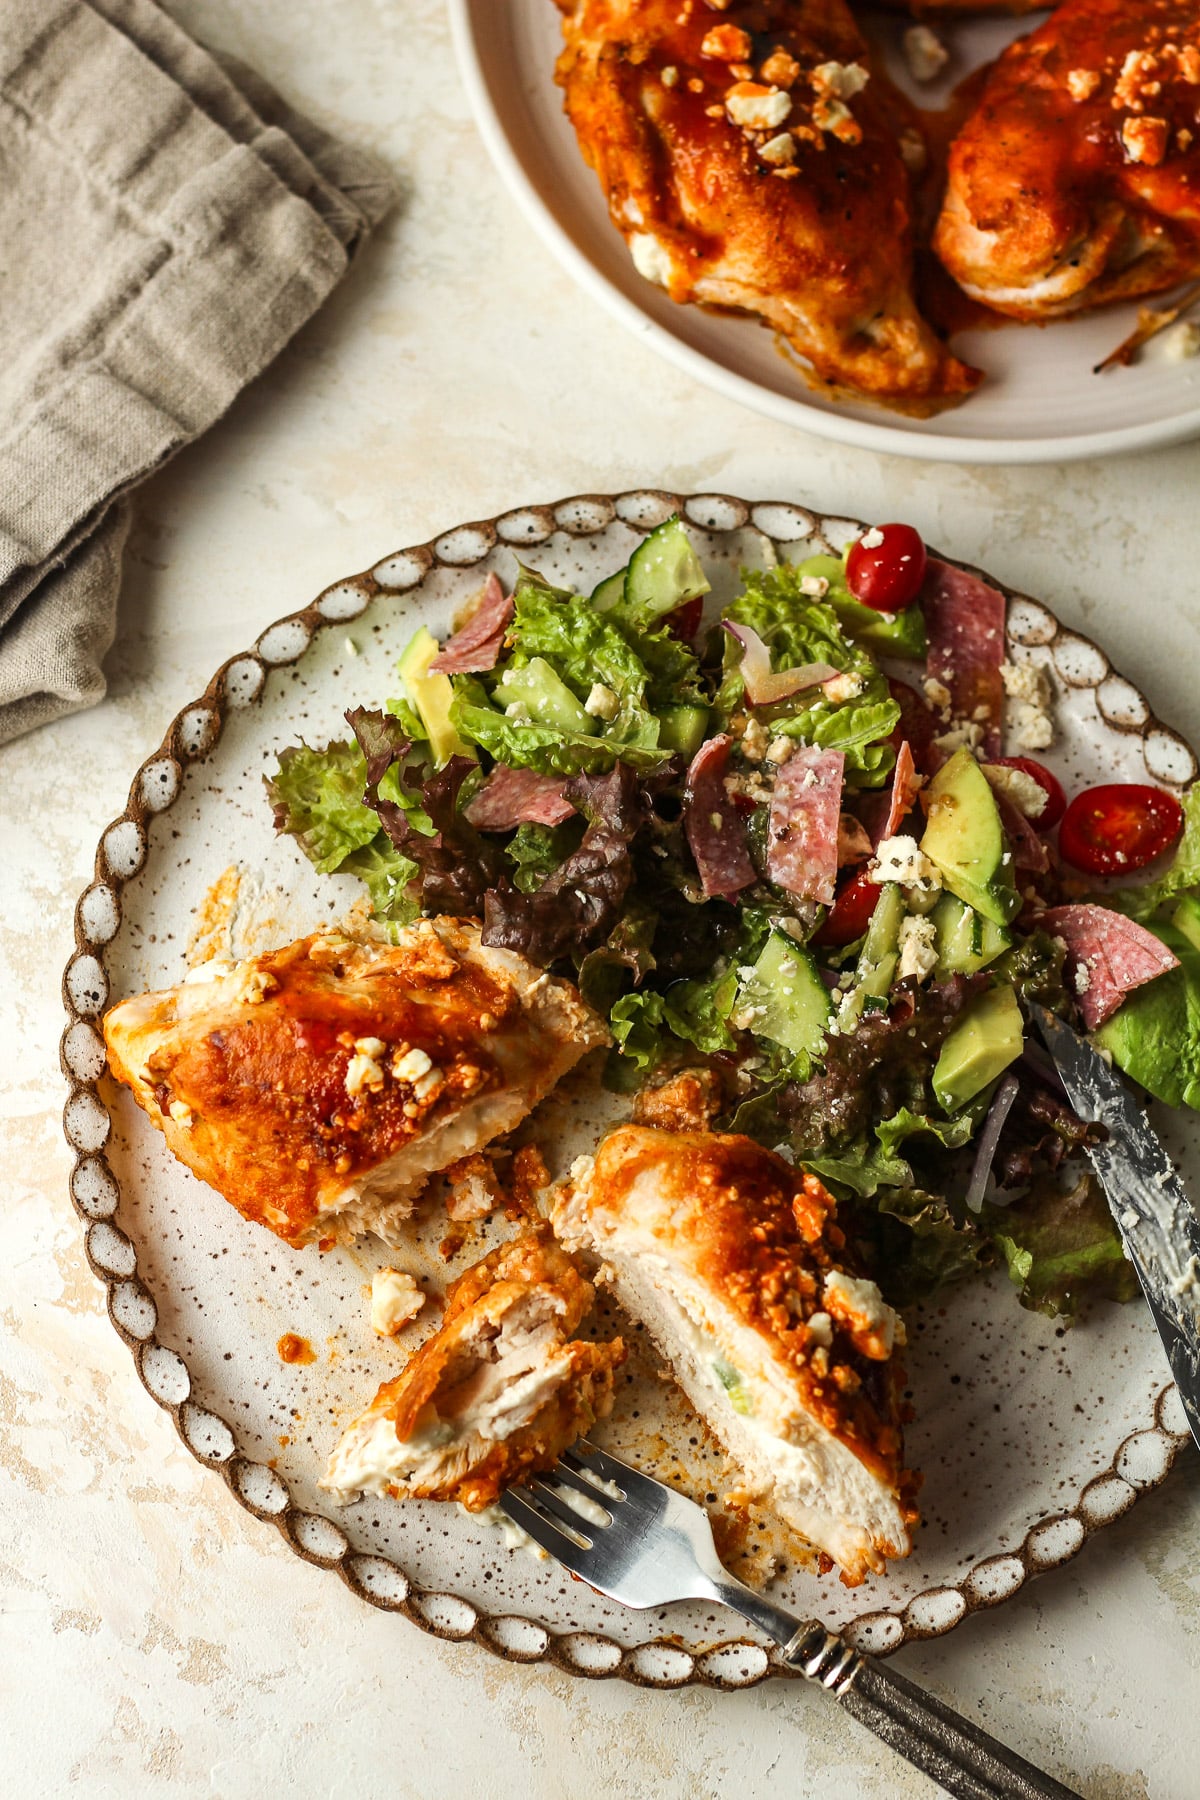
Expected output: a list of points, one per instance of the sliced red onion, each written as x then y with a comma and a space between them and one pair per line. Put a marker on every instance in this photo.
763, 686
989, 1137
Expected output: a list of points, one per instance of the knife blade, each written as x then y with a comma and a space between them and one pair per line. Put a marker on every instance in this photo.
1153, 1214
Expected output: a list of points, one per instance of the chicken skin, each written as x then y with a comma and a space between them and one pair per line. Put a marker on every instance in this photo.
1076, 179
496, 1394
733, 1261
753, 159
318, 1086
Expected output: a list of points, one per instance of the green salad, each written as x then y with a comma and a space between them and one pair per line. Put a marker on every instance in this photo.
777, 843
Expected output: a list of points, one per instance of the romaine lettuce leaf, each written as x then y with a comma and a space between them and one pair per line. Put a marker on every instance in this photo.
1062, 1247
636, 1022
799, 630
387, 876
890, 634
862, 1167
951, 1133
1183, 874
317, 797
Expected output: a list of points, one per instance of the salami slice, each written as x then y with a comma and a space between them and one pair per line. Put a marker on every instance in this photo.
511, 797
964, 626
906, 785
476, 647
1110, 956
802, 828
714, 827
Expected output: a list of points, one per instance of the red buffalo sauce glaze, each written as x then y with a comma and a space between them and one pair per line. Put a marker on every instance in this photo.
293, 1349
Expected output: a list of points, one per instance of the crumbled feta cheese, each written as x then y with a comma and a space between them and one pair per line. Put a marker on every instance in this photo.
1026, 681
363, 1073
779, 150
651, 259
872, 539
1019, 789
842, 687
670, 76
779, 750
858, 1305
757, 108
755, 739
726, 43
602, 703
902, 859
1082, 83
918, 950
913, 153
370, 1046
425, 1085
815, 587
1083, 979
820, 1329
937, 694
1181, 342
966, 735
843, 80
395, 1299
1034, 728
1145, 140
410, 1065
924, 52
182, 1114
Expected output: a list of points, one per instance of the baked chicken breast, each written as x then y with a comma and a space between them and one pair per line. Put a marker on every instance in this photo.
1076, 178
317, 1086
495, 1395
731, 1258
752, 158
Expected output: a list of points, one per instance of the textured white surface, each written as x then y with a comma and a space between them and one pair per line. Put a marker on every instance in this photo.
156, 1641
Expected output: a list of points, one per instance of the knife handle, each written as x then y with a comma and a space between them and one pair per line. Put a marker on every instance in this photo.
961, 1757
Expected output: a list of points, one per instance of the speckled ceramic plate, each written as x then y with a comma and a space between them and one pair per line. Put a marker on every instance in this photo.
1030, 1437
1040, 401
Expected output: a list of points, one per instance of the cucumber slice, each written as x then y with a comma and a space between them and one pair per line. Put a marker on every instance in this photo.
546, 698
878, 957
611, 589
966, 940
431, 695
682, 728
784, 999
664, 572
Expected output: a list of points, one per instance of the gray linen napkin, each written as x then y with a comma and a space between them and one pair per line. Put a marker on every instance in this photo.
166, 225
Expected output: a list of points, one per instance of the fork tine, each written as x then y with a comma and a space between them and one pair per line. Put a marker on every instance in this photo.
611, 1468
542, 1530
560, 1508
577, 1478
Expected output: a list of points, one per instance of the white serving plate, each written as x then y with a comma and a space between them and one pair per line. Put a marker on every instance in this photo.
1030, 1437
1040, 401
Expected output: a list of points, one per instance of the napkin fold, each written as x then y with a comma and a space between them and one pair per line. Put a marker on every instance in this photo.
167, 223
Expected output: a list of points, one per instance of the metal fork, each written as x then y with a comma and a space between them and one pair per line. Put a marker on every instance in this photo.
644, 1544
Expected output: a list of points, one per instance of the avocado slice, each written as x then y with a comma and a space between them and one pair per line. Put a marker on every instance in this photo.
1155, 1034
784, 999
986, 1039
431, 695
965, 838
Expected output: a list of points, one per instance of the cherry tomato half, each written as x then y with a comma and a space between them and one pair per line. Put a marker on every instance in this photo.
1051, 786
886, 567
851, 911
1120, 827
917, 723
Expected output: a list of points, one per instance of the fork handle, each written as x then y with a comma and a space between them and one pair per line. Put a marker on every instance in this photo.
961, 1757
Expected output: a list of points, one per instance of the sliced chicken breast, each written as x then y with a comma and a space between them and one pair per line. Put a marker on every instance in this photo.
317, 1086
732, 1260
495, 1395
